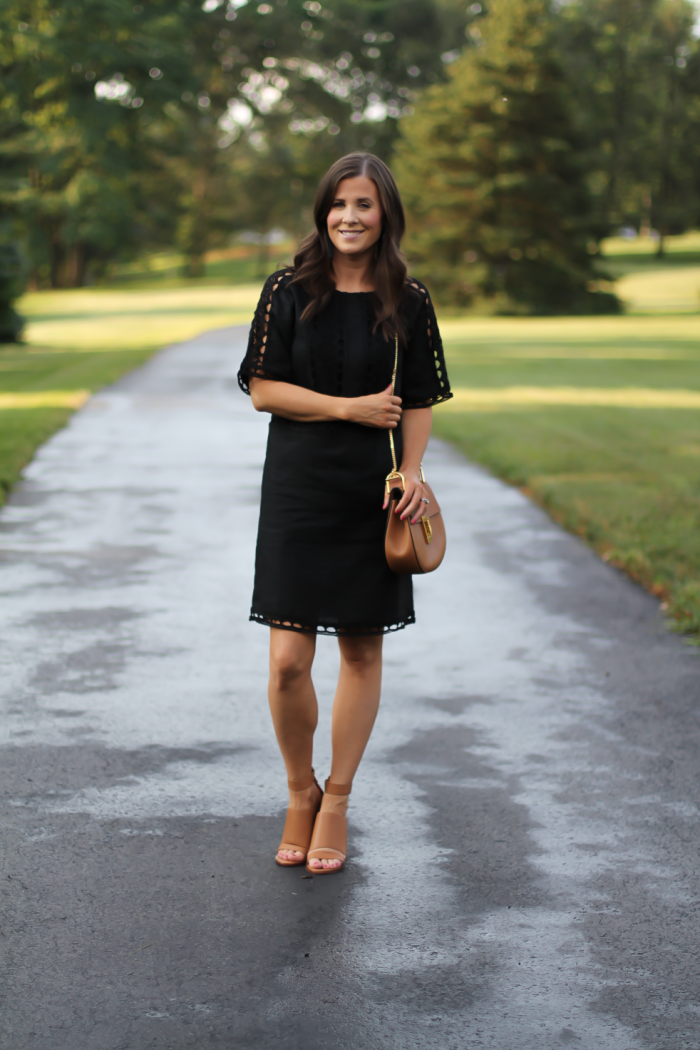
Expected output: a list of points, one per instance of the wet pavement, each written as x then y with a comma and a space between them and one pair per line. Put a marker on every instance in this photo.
524, 868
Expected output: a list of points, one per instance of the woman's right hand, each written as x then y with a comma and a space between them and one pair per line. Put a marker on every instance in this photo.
375, 410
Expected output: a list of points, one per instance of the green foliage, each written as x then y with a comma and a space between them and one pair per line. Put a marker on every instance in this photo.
11, 287
491, 169
131, 127
124, 127
76, 76
635, 65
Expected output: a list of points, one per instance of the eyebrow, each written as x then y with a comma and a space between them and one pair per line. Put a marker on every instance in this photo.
370, 200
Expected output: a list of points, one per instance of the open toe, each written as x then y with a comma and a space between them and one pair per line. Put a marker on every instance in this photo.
298, 827
330, 837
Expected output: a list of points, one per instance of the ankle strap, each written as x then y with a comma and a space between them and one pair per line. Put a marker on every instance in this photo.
337, 789
303, 784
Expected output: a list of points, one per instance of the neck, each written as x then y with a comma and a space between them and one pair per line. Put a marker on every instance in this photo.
353, 273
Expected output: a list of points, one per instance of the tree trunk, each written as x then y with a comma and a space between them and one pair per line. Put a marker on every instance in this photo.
194, 267
75, 266
645, 217
56, 261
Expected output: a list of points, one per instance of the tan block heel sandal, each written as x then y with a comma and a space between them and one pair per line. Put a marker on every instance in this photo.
299, 825
330, 838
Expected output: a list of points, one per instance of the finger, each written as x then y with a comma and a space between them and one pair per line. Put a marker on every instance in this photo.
417, 513
413, 504
404, 501
413, 511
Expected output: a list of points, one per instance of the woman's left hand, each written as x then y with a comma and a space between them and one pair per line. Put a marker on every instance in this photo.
410, 503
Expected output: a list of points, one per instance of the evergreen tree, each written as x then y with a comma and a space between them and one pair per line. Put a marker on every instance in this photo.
635, 66
492, 171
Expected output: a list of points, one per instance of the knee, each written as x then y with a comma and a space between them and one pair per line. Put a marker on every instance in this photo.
287, 668
361, 655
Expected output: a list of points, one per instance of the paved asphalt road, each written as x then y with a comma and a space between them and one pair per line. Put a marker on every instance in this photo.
524, 870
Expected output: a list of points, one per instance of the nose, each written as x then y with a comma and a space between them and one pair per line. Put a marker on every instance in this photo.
350, 215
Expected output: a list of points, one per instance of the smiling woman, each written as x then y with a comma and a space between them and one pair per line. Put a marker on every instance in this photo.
327, 336
357, 208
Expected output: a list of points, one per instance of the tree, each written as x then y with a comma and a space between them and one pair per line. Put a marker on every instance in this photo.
673, 163
76, 77
634, 64
284, 90
493, 174
142, 124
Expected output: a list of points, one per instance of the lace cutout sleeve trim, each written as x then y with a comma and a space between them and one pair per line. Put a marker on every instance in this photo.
254, 364
434, 344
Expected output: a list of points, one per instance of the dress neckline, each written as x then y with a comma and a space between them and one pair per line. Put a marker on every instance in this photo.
339, 292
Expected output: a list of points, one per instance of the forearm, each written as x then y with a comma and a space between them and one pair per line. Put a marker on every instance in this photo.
416, 424
296, 402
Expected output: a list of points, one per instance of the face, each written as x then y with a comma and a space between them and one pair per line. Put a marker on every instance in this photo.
355, 218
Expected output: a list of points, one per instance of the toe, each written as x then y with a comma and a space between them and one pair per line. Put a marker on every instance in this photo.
289, 854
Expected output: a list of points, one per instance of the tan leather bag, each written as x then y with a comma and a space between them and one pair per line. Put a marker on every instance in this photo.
411, 548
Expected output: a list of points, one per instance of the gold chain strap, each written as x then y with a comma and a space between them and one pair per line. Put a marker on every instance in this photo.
395, 473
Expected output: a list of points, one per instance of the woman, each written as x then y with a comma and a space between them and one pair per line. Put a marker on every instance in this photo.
320, 360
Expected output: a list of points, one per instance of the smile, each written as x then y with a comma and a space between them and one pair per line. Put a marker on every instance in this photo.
351, 233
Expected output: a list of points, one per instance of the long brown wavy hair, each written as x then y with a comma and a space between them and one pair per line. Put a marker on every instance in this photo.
312, 262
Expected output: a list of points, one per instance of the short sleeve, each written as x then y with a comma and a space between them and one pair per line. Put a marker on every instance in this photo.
269, 344
424, 381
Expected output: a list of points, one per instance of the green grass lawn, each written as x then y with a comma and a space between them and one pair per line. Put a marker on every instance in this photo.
241, 264
597, 419
583, 415
39, 390
79, 341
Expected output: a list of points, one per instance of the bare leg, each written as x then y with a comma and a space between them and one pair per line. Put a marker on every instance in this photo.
294, 711
354, 712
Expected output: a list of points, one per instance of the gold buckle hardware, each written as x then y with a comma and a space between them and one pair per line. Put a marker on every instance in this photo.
394, 476
427, 529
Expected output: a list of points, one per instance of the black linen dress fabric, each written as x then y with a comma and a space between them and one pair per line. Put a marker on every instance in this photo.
320, 564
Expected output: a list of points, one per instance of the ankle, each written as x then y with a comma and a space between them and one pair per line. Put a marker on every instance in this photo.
304, 799
335, 804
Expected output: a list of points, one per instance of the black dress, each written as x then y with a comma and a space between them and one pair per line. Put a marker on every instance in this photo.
320, 564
